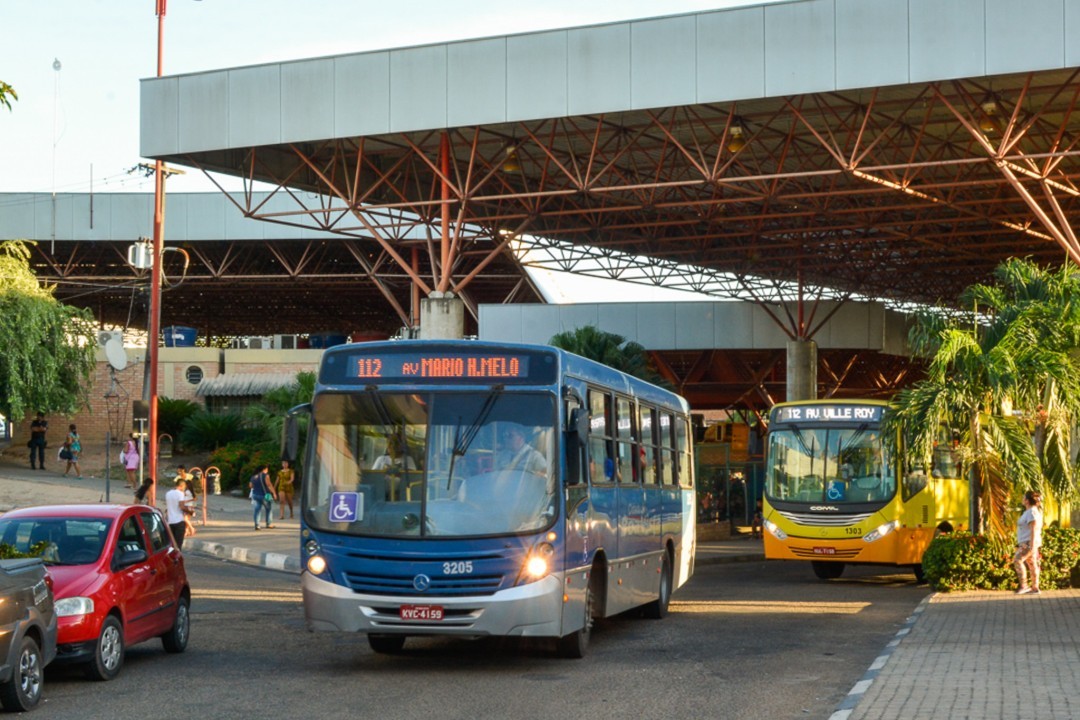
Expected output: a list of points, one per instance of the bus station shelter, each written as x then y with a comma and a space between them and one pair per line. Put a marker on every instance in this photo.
800, 155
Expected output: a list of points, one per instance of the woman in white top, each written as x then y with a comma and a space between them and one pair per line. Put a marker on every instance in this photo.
395, 457
1028, 542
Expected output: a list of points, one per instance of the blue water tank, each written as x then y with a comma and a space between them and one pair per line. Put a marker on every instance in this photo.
179, 336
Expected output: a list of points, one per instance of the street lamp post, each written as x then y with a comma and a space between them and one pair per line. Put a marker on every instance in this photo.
155, 284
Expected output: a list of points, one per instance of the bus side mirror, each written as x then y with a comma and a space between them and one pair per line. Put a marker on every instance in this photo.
579, 426
290, 433
577, 437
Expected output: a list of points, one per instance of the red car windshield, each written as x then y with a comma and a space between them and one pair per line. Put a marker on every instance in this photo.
57, 541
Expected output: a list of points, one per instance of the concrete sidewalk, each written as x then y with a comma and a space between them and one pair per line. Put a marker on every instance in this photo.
980, 655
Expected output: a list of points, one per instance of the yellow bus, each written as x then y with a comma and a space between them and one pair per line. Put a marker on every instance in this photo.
835, 494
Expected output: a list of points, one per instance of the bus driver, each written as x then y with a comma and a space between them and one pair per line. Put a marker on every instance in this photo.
520, 455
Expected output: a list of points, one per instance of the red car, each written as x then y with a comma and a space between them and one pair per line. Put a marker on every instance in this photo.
118, 579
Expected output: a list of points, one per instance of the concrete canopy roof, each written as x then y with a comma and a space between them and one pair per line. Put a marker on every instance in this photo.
892, 148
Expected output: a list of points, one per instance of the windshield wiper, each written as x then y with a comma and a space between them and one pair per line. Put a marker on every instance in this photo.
462, 441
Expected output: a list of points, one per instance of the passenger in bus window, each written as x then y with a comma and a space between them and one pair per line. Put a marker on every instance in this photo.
394, 457
521, 455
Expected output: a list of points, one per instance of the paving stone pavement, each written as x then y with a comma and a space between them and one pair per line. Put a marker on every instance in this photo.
978, 656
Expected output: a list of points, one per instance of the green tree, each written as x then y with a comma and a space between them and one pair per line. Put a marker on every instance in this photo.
610, 349
7, 94
1000, 373
48, 355
172, 413
267, 417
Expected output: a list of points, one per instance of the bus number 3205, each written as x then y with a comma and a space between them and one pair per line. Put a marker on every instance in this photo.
459, 567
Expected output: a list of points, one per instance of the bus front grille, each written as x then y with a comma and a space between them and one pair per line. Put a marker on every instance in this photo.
817, 520
457, 585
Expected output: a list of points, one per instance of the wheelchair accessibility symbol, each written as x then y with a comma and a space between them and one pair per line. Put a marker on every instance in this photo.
346, 507
835, 490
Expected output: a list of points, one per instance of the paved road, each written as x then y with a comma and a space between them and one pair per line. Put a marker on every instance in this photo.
748, 640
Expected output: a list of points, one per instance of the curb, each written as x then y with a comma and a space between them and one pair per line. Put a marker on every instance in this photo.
850, 702
724, 559
271, 560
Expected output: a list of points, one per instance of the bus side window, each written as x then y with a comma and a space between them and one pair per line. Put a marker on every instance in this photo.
914, 481
649, 456
667, 452
627, 470
601, 450
686, 467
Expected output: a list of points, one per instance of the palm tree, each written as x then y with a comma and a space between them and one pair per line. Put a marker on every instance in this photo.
268, 415
1001, 373
610, 349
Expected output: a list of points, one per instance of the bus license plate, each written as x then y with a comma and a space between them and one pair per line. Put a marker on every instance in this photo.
824, 551
421, 612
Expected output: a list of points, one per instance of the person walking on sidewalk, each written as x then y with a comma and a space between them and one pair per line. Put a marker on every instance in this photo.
74, 447
174, 512
37, 443
130, 457
284, 488
1028, 542
262, 494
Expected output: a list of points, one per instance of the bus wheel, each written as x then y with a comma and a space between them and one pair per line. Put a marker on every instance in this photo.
658, 608
920, 576
575, 644
827, 570
386, 644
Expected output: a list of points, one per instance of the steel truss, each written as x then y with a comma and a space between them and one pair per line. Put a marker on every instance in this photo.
904, 193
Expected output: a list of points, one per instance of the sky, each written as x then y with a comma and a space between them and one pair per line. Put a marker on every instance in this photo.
76, 129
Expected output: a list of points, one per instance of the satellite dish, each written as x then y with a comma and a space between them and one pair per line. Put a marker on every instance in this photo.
114, 351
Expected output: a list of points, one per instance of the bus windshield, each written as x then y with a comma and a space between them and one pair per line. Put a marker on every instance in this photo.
433, 464
834, 465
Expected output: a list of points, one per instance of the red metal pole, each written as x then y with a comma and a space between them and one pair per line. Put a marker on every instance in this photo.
155, 284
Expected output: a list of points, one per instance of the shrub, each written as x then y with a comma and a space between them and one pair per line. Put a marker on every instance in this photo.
206, 431
171, 416
962, 561
238, 461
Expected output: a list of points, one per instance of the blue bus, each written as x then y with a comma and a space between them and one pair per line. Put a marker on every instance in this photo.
469, 488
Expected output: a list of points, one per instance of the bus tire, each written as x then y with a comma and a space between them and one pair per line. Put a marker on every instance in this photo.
920, 575
576, 644
827, 570
386, 644
658, 608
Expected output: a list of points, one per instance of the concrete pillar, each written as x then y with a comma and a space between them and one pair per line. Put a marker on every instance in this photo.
442, 317
801, 370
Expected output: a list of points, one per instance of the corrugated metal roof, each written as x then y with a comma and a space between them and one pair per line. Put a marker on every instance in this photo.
244, 384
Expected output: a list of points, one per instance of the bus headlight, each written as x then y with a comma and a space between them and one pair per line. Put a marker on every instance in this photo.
881, 531
777, 532
538, 563
316, 565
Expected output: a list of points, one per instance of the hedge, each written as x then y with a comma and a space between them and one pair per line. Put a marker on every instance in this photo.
962, 561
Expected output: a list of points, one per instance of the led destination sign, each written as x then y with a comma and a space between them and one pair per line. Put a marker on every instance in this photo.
439, 365
415, 365
828, 413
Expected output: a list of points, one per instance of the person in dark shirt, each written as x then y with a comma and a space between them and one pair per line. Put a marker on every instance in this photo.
37, 443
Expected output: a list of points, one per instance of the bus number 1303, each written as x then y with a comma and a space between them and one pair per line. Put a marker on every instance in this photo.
459, 567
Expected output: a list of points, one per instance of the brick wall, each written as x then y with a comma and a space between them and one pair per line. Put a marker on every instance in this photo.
111, 395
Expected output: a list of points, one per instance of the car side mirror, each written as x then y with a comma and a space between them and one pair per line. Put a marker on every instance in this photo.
131, 557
